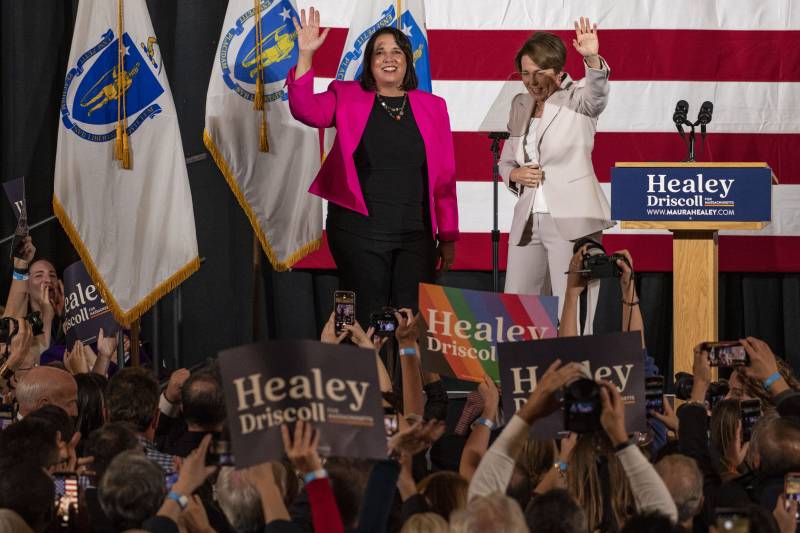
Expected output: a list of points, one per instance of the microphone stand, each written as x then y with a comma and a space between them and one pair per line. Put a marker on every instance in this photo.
690, 157
495, 148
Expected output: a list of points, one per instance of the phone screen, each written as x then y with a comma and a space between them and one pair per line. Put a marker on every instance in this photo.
732, 520
750, 413
792, 489
344, 310
66, 485
726, 354
391, 423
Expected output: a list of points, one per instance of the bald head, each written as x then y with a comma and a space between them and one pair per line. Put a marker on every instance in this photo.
684, 481
44, 385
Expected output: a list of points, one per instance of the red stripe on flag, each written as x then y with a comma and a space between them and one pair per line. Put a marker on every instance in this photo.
657, 55
651, 253
474, 160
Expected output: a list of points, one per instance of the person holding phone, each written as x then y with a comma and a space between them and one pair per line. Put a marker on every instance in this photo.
390, 176
547, 163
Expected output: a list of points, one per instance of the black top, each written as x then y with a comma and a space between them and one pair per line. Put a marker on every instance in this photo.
390, 161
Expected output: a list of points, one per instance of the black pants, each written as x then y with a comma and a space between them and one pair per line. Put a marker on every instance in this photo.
382, 273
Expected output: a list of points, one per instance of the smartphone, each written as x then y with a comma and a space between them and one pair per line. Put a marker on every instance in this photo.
732, 519
670, 399
654, 394
344, 310
791, 489
67, 492
170, 480
391, 422
750, 412
726, 354
220, 453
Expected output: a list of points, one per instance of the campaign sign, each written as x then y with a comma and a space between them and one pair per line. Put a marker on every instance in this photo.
15, 192
616, 357
696, 193
460, 329
332, 386
85, 311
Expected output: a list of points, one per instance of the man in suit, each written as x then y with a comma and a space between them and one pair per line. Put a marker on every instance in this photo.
547, 164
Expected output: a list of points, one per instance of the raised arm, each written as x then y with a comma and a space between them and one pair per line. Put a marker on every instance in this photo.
316, 110
410, 364
591, 99
576, 284
478, 441
631, 311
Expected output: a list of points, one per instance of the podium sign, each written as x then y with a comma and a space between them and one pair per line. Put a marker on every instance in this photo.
691, 194
693, 201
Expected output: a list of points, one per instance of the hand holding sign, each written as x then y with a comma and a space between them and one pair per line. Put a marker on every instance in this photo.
302, 450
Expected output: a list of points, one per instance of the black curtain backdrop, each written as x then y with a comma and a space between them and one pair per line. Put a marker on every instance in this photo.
212, 310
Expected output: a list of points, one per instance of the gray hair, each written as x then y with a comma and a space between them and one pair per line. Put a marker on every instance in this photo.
684, 481
495, 512
40, 382
131, 490
239, 500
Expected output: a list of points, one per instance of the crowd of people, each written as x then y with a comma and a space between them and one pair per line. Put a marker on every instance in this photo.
88, 445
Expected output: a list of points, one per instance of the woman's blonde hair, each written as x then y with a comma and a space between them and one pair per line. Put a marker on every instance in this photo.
425, 523
496, 513
584, 484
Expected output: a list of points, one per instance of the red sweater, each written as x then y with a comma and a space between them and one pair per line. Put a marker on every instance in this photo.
324, 511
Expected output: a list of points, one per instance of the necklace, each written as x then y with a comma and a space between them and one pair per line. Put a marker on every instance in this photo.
394, 112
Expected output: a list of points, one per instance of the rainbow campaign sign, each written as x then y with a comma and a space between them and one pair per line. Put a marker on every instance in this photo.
460, 328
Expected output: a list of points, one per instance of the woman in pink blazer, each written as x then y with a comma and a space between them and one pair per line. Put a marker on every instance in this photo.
390, 176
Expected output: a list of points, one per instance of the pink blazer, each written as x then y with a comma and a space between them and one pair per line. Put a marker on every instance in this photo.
347, 106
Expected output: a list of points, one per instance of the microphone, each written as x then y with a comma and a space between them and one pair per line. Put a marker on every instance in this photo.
704, 116
679, 116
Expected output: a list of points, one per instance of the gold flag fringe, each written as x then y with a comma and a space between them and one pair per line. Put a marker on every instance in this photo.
278, 265
123, 317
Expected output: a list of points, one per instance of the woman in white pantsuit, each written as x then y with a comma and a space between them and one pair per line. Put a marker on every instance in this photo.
547, 163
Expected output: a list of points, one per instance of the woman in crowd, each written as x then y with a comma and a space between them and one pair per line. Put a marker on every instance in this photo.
390, 175
547, 162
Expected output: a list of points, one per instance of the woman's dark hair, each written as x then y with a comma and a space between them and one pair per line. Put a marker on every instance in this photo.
91, 404
545, 49
368, 80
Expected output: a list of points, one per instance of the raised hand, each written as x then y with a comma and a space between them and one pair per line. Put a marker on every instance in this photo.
309, 38
542, 400
586, 42
329, 335
302, 450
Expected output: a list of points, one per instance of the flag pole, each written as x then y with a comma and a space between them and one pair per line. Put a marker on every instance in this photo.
256, 288
399, 14
135, 329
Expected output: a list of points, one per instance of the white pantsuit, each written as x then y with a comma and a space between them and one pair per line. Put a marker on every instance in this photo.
541, 243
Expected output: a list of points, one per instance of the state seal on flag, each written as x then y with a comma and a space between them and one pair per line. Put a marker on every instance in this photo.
241, 54
95, 86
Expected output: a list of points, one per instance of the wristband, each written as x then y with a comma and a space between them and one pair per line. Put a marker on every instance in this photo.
772, 379
180, 499
18, 276
407, 351
561, 465
484, 422
631, 441
313, 476
631, 304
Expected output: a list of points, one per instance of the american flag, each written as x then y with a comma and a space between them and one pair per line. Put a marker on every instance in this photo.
743, 56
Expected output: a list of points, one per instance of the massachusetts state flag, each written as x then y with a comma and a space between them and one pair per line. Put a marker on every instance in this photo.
741, 56
271, 186
121, 187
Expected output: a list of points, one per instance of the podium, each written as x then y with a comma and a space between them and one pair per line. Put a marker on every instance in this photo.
693, 201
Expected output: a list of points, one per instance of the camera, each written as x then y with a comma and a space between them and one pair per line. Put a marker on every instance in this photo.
8, 326
717, 390
596, 264
220, 453
582, 407
384, 322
